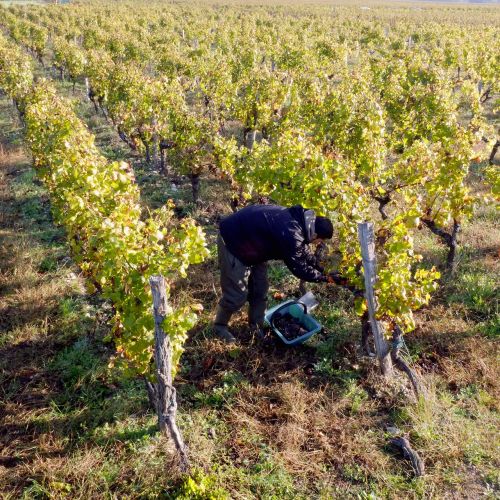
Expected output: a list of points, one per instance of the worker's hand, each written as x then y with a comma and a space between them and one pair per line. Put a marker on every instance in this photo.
336, 278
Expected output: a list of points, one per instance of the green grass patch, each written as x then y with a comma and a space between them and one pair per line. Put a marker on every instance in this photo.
478, 291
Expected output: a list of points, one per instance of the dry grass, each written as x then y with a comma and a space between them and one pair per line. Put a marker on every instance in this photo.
309, 429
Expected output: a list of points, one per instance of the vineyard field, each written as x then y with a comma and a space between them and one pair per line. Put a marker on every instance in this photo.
128, 130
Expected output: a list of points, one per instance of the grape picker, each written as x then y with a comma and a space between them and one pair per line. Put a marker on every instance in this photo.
251, 237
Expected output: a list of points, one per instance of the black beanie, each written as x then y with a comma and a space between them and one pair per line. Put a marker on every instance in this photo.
323, 227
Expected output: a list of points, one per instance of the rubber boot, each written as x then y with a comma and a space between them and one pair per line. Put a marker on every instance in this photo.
256, 312
222, 318
256, 330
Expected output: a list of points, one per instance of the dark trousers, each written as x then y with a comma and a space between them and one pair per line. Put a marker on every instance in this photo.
240, 283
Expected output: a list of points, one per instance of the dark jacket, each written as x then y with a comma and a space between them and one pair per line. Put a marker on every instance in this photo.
259, 233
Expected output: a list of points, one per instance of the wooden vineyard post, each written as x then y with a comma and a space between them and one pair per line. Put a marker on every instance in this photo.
163, 392
87, 89
251, 138
367, 241
155, 144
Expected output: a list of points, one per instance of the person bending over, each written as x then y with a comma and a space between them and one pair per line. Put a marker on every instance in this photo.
247, 240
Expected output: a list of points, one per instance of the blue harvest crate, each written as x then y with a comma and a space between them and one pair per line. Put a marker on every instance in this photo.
296, 311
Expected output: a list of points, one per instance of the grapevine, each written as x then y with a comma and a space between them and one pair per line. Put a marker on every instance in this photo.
370, 122
116, 246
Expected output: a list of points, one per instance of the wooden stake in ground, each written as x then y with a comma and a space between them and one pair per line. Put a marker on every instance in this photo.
163, 392
367, 241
